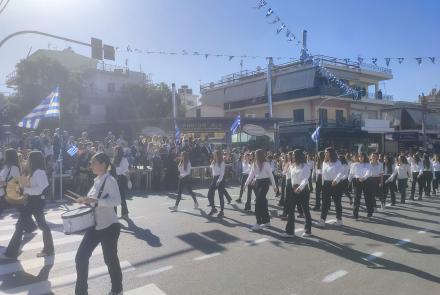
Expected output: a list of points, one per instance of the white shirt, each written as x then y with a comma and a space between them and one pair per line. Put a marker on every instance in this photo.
14, 172
429, 168
375, 170
122, 169
417, 167
360, 170
345, 171
37, 183
218, 170
182, 172
402, 171
332, 171
105, 214
245, 167
257, 173
300, 175
286, 169
436, 165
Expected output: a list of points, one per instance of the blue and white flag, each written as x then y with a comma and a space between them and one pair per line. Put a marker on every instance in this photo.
315, 134
48, 108
177, 130
72, 150
236, 125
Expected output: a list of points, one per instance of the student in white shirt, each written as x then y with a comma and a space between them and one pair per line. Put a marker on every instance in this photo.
375, 176
318, 172
403, 172
121, 165
311, 163
218, 183
299, 177
436, 168
261, 175
286, 193
10, 170
103, 197
246, 165
427, 175
344, 183
34, 190
389, 168
417, 173
332, 172
184, 180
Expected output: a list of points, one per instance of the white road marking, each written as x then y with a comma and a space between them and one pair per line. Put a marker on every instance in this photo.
57, 242
423, 231
204, 257
150, 289
155, 271
11, 227
373, 256
26, 265
9, 222
402, 242
7, 237
45, 287
334, 276
256, 242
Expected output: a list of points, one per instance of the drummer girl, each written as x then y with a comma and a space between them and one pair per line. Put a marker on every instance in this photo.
103, 197
37, 183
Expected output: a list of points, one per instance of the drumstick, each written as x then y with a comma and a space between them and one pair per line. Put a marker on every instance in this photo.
72, 198
73, 194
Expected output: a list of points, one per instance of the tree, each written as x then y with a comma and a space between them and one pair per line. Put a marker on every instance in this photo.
34, 80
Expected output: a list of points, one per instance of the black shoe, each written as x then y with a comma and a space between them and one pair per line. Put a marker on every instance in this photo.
212, 212
220, 214
238, 201
229, 201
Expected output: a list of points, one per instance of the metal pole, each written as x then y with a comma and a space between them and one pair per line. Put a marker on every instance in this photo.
423, 121
173, 90
44, 34
269, 85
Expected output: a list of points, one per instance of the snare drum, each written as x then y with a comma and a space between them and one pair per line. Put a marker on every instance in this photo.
78, 220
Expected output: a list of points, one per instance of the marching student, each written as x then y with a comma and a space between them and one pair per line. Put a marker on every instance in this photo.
184, 180
262, 173
318, 172
300, 174
217, 183
417, 173
403, 172
389, 169
9, 171
120, 162
374, 183
332, 173
273, 166
285, 163
288, 187
103, 197
311, 163
245, 169
360, 177
34, 189
344, 180
436, 168
427, 175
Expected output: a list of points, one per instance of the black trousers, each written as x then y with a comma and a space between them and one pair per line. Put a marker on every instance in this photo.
185, 182
311, 182
426, 182
344, 188
283, 190
402, 185
301, 199
34, 207
108, 238
361, 188
123, 188
374, 190
388, 186
436, 181
261, 208
289, 193
244, 177
220, 189
416, 180
318, 190
331, 192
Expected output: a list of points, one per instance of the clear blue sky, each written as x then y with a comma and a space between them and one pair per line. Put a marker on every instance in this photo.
340, 28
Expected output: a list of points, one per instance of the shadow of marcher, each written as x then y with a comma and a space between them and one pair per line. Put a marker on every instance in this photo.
141, 233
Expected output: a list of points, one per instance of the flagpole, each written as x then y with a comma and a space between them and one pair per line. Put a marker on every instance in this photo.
60, 156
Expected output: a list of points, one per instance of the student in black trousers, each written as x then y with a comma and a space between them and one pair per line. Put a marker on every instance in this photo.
121, 165
374, 183
360, 178
436, 168
389, 168
218, 183
417, 174
427, 175
299, 176
245, 169
318, 188
184, 181
402, 172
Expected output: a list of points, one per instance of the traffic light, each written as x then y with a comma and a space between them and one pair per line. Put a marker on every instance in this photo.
96, 48
109, 52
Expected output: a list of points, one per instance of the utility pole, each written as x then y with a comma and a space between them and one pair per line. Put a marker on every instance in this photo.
424, 111
173, 91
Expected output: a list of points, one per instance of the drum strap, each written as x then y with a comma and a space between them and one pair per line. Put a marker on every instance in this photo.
7, 177
101, 189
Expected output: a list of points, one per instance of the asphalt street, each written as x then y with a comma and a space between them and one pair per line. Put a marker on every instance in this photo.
188, 252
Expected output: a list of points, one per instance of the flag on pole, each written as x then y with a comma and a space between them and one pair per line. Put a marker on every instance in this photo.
48, 108
72, 150
235, 125
177, 130
315, 134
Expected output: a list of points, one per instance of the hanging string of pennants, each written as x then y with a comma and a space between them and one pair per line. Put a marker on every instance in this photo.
399, 60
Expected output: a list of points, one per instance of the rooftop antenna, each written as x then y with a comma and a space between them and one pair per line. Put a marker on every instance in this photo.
304, 46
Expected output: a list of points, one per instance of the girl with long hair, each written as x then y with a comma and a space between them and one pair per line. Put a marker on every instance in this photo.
344, 180
245, 169
427, 176
360, 176
389, 168
217, 183
436, 168
120, 163
318, 171
375, 176
261, 175
403, 172
184, 180
417, 174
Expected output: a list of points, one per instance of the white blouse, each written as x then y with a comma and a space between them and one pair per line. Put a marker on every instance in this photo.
218, 170
13, 172
123, 167
37, 183
300, 175
375, 170
345, 171
105, 214
401, 171
182, 172
360, 170
257, 173
436, 166
245, 167
416, 167
332, 171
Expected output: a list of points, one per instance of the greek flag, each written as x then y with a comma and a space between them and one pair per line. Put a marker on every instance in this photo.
176, 128
48, 108
315, 134
235, 125
72, 150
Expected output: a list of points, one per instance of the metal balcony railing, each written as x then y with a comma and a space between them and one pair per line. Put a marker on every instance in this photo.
340, 123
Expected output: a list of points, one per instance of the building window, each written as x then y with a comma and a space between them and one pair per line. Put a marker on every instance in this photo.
322, 116
198, 113
111, 87
298, 115
339, 116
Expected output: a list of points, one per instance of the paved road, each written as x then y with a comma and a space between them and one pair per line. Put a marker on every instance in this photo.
187, 252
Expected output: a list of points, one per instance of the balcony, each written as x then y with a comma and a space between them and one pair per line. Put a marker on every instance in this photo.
329, 123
